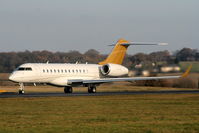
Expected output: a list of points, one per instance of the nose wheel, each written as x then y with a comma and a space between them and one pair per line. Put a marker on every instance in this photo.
21, 89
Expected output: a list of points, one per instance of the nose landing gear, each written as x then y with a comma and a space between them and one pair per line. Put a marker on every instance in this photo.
21, 89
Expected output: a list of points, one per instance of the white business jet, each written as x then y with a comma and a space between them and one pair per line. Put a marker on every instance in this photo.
87, 75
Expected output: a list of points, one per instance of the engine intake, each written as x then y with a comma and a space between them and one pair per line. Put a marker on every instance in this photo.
113, 70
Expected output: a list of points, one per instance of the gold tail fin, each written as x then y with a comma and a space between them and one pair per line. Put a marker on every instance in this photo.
117, 54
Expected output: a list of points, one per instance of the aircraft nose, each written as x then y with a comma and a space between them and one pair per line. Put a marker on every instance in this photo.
11, 77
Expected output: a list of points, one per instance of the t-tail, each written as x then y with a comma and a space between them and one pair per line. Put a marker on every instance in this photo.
117, 54
119, 51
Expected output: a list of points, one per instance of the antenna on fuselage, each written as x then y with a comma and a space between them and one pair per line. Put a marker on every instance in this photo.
47, 62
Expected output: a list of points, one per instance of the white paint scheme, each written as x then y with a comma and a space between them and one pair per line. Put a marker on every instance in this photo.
61, 74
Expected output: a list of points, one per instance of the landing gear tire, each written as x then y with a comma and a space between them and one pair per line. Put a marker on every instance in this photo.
68, 89
21, 91
91, 89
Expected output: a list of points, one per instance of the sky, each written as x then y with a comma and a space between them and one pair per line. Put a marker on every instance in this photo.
65, 25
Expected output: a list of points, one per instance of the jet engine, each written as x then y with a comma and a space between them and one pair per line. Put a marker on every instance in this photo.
113, 70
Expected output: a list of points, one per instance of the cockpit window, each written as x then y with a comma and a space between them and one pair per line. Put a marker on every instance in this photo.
21, 69
28, 69
24, 69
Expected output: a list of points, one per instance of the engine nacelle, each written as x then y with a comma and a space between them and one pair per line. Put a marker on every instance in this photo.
113, 70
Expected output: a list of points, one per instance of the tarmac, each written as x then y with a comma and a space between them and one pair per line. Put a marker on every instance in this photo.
31, 95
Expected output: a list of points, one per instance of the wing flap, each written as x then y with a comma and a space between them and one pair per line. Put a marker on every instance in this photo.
75, 81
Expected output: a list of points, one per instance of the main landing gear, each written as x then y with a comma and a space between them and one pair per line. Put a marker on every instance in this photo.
91, 89
68, 89
21, 89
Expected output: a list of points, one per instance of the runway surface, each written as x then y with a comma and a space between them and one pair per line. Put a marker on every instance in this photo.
30, 95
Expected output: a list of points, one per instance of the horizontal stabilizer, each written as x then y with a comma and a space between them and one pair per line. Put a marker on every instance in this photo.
119, 51
141, 43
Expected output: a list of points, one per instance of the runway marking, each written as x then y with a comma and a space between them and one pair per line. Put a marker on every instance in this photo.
30, 95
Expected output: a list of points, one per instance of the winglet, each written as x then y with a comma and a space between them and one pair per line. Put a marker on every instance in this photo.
2, 91
186, 73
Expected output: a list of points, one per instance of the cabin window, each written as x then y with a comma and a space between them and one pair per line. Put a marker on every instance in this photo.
65, 71
77, 71
58, 71
73, 71
43, 71
80, 71
51, 70
47, 70
62, 71
69, 71
54, 70
84, 71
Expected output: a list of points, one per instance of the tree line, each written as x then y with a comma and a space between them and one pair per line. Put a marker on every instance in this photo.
10, 60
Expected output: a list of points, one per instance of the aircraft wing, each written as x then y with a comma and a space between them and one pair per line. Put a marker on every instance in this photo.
107, 80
